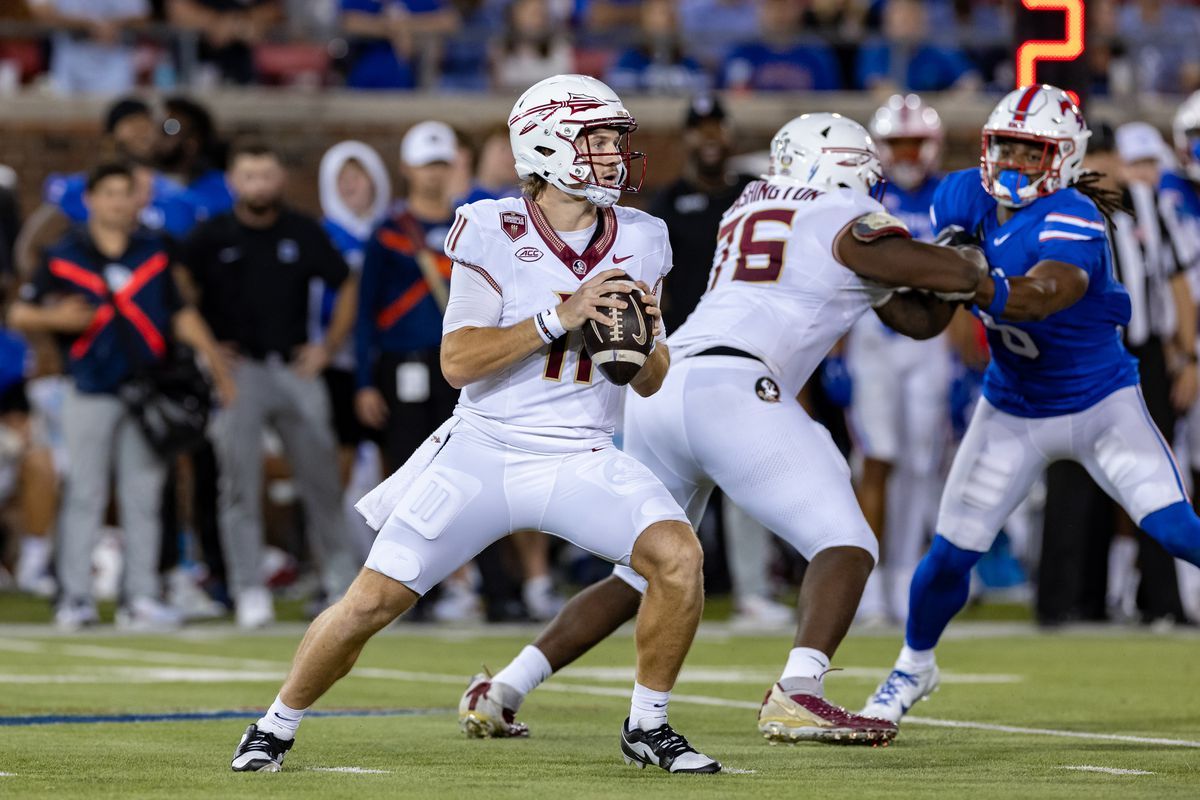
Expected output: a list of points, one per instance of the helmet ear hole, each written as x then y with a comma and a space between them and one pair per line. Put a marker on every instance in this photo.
546, 151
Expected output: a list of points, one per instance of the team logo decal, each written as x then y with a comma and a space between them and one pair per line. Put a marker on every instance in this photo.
529, 254
288, 251
513, 224
767, 390
579, 267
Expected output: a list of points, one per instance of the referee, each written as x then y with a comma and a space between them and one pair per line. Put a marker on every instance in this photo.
251, 268
1160, 335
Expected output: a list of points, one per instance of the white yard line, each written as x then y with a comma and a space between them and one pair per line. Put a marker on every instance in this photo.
736, 674
1108, 770
351, 770
572, 688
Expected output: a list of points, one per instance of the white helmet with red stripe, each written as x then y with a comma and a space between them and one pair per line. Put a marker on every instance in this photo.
826, 150
547, 130
1186, 128
1043, 115
907, 117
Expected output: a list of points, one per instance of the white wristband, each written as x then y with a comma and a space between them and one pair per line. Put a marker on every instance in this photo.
548, 325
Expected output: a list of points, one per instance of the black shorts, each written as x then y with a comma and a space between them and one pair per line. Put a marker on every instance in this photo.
340, 383
409, 423
13, 399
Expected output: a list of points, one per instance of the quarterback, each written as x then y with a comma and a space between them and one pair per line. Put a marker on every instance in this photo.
530, 444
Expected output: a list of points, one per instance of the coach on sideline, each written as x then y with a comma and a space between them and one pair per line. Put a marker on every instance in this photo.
251, 269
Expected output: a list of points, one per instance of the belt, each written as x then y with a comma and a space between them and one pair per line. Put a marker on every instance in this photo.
724, 351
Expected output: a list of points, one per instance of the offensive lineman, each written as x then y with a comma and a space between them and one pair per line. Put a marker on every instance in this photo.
1060, 383
900, 411
530, 444
800, 257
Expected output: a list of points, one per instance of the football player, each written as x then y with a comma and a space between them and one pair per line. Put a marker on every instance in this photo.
530, 444
899, 411
800, 257
1060, 384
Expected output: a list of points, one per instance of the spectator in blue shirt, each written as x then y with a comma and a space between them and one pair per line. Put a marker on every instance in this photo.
905, 60
658, 64
710, 25
191, 152
777, 61
385, 35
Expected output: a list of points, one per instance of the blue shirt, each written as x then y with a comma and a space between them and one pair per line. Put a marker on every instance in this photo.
912, 206
210, 194
801, 67
374, 64
637, 70
1074, 358
930, 68
172, 209
135, 298
1181, 211
396, 312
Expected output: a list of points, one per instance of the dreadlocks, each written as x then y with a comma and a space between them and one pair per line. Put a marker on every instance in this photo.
1109, 201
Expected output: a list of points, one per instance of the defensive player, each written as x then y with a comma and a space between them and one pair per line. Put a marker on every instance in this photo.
899, 412
1060, 384
800, 257
530, 444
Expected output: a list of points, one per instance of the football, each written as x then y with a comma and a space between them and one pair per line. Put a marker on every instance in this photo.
620, 350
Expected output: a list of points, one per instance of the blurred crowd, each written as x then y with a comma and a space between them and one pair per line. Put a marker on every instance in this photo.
659, 46
319, 339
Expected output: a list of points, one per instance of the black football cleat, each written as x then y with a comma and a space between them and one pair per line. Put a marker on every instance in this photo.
663, 747
260, 751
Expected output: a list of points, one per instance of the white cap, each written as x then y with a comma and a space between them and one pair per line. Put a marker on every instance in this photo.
427, 142
1137, 141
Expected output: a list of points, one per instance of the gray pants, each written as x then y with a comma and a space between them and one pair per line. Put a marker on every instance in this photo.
101, 436
270, 393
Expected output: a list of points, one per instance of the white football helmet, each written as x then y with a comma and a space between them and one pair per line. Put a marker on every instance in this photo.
1186, 128
545, 130
826, 150
1044, 115
907, 117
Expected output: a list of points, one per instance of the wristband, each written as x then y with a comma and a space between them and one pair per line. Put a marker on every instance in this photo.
548, 325
999, 296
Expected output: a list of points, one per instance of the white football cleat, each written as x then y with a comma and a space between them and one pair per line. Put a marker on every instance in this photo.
487, 710
72, 615
255, 608
147, 614
900, 691
260, 751
663, 747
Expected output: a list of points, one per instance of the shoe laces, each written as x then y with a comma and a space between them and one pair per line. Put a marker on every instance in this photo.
667, 742
891, 687
266, 742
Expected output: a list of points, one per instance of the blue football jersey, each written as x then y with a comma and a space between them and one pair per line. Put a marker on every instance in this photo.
1180, 208
911, 206
1074, 358
171, 210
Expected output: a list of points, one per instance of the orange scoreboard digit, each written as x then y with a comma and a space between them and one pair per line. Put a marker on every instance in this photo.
1029, 53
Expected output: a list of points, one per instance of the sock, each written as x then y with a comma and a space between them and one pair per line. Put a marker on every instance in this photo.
939, 591
1177, 529
281, 719
525, 672
648, 709
805, 662
911, 660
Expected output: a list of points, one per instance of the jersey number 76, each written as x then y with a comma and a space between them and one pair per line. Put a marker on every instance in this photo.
758, 260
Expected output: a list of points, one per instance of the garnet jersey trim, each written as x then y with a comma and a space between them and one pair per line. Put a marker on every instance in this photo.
579, 264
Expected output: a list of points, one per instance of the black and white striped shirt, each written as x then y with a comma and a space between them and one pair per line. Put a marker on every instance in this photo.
1145, 262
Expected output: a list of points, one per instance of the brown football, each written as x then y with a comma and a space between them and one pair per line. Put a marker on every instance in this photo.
620, 350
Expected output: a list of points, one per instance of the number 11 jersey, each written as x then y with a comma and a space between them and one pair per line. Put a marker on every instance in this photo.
776, 291
553, 400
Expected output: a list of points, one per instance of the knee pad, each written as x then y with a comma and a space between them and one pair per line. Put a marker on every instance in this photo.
1177, 529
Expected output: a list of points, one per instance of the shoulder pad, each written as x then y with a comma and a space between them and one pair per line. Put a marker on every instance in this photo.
877, 225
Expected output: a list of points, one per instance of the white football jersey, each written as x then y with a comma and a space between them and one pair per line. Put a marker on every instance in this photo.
553, 400
775, 290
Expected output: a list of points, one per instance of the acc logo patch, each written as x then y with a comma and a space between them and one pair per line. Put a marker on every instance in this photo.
767, 390
513, 224
529, 254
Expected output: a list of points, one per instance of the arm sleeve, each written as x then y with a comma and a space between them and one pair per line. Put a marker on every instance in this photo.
947, 207
327, 262
364, 322
474, 301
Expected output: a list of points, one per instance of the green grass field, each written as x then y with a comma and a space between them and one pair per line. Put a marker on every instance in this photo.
1100, 684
